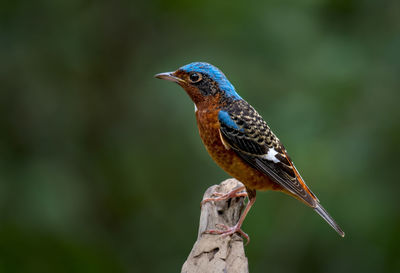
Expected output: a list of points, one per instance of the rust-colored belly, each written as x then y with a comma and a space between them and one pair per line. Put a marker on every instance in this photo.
228, 160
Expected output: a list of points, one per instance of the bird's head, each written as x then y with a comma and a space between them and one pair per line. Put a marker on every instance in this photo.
203, 82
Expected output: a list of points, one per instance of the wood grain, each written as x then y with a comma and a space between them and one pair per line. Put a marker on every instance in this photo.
218, 253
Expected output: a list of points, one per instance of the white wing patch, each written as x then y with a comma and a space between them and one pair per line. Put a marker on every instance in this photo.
271, 155
195, 108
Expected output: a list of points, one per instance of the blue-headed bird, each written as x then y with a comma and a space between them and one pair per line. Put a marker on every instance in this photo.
240, 141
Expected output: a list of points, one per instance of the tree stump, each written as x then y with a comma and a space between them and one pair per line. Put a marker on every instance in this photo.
218, 253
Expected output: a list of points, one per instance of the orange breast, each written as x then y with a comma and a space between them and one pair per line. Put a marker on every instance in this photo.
228, 160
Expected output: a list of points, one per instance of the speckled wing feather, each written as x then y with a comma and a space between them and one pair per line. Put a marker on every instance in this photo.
248, 134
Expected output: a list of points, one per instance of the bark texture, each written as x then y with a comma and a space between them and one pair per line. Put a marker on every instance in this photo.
218, 253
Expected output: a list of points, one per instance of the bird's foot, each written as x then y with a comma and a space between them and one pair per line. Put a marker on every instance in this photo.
239, 192
225, 231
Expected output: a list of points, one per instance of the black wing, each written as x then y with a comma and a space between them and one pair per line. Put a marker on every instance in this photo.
244, 130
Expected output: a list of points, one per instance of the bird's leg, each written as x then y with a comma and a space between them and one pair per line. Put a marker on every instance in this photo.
234, 193
237, 228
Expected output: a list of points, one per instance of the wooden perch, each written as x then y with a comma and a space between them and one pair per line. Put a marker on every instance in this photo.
218, 253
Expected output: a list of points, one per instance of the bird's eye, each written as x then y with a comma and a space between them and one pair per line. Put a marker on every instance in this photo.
195, 77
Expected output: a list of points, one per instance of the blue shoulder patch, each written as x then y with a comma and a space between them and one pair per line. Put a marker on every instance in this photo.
215, 74
226, 119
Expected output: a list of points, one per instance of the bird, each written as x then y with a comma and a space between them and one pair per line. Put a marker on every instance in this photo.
241, 142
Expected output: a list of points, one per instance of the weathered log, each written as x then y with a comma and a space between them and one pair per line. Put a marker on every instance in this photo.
218, 253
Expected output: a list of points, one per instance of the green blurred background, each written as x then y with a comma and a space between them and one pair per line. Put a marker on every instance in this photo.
102, 168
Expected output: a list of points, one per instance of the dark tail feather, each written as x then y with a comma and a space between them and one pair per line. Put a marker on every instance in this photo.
324, 214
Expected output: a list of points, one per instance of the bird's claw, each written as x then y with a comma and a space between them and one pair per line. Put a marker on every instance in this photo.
239, 192
225, 231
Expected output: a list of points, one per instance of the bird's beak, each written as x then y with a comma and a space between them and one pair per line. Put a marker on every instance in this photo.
169, 76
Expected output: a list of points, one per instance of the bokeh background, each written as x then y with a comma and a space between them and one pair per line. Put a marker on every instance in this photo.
101, 165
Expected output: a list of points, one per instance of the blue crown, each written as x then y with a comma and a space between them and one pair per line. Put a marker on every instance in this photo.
215, 74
